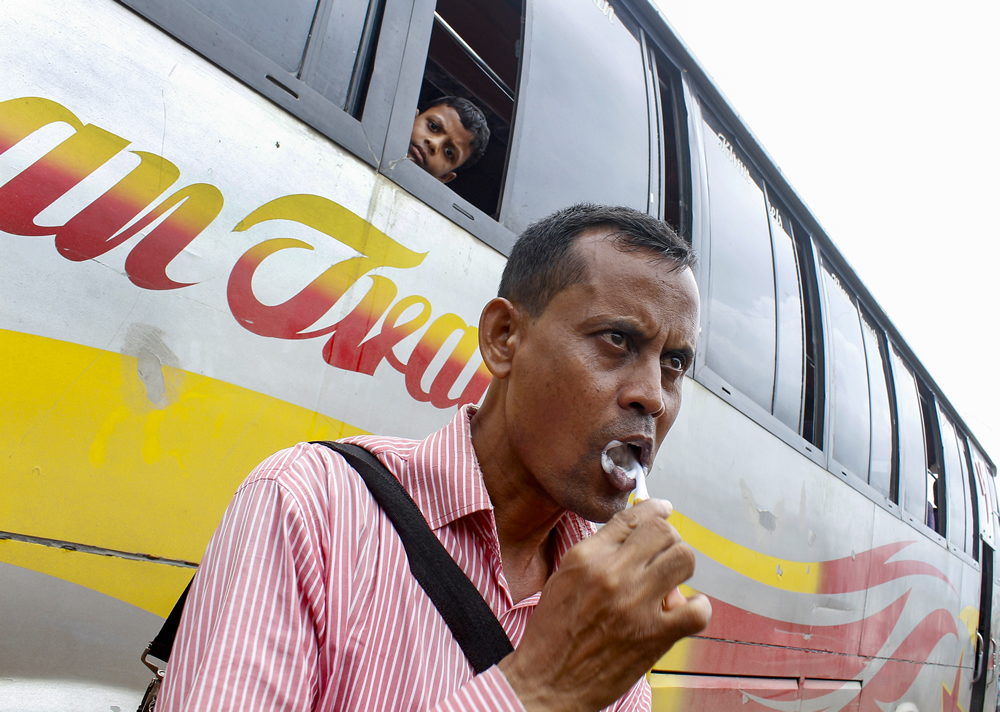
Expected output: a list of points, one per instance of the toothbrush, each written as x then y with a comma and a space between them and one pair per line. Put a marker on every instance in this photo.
639, 475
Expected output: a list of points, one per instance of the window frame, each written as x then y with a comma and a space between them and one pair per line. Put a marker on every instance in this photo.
701, 237
410, 176
362, 137
679, 104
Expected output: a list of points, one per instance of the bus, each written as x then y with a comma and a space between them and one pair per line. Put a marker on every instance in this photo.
213, 246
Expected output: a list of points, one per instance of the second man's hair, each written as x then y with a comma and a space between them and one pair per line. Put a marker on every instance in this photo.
543, 261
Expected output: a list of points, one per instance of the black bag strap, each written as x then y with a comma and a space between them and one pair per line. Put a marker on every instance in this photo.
472, 622
160, 646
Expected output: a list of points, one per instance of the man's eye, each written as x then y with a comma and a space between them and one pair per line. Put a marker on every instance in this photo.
432, 125
617, 338
675, 363
449, 153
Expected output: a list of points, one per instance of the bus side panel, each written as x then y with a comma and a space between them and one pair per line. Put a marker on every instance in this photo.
872, 596
191, 280
939, 594
767, 523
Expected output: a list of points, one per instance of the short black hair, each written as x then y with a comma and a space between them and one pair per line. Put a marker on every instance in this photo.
543, 261
473, 120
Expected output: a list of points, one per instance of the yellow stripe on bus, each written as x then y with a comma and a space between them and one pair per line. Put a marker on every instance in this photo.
89, 458
784, 574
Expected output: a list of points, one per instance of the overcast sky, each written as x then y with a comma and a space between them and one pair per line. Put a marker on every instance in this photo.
882, 116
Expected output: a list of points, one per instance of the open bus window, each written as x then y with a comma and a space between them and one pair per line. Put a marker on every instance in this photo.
675, 176
474, 52
936, 513
921, 476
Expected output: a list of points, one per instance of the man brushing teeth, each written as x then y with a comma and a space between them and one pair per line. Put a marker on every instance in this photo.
595, 324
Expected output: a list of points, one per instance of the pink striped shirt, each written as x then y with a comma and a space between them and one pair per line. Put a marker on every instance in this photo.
305, 600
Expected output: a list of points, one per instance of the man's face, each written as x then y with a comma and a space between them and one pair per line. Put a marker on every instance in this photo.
603, 362
439, 143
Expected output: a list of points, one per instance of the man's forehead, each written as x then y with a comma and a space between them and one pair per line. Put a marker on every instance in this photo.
607, 247
616, 277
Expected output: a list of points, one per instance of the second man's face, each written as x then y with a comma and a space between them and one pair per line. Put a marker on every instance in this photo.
602, 363
439, 143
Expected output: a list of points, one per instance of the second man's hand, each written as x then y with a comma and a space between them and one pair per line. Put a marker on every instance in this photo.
609, 612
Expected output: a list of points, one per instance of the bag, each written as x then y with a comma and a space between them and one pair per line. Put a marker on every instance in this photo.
472, 622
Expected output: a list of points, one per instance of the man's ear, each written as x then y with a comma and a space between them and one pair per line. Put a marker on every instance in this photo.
500, 331
447, 177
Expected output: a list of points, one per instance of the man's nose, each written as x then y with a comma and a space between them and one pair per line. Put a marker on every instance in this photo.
433, 143
644, 389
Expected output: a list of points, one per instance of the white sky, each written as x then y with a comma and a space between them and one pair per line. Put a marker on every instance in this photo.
881, 115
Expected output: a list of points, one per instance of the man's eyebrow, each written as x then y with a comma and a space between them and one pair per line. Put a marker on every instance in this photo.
686, 351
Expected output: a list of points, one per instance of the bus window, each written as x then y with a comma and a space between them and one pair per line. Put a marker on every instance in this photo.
971, 502
981, 475
278, 29
740, 339
473, 53
813, 404
582, 127
851, 431
880, 461
325, 45
957, 492
936, 512
314, 58
790, 354
912, 460
675, 177
347, 42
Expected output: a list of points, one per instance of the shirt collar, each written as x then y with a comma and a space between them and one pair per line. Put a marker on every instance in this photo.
446, 481
444, 476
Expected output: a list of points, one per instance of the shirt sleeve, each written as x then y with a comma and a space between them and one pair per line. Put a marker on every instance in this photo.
637, 699
491, 691
248, 635
488, 691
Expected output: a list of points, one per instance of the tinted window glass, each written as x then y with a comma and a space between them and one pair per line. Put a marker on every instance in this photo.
278, 29
880, 463
956, 485
851, 421
347, 42
790, 352
740, 344
912, 460
582, 127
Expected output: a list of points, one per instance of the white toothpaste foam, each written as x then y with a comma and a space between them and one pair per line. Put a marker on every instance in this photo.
618, 454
